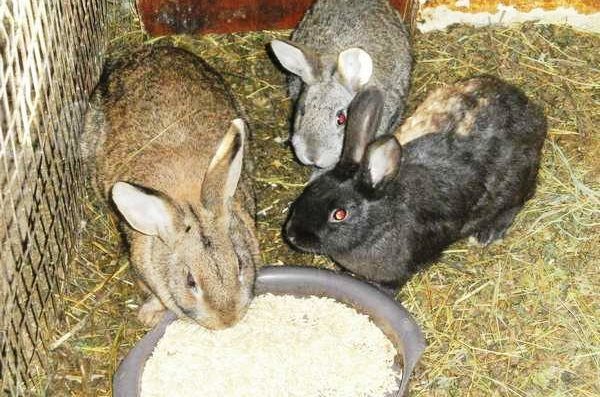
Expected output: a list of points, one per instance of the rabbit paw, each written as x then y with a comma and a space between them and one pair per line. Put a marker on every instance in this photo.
151, 312
485, 238
495, 233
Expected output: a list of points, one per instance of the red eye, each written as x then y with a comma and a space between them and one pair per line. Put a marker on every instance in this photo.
339, 215
341, 117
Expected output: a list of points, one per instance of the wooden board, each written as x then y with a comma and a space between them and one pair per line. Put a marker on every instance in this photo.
439, 14
583, 6
164, 17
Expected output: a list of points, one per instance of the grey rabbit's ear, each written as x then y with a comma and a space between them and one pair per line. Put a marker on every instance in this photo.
354, 68
147, 211
224, 170
382, 160
364, 116
298, 59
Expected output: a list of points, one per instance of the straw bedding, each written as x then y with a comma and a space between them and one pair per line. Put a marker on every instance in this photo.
284, 346
519, 318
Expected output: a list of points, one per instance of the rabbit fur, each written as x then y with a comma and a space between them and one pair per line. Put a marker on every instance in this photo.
469, 162
164, 143
339, 48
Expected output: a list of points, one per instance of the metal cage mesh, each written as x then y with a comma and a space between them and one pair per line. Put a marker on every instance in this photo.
50, 59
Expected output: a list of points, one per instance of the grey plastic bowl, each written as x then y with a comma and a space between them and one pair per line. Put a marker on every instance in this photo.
387, 314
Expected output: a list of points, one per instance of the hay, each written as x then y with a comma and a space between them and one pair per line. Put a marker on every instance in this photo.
520, 318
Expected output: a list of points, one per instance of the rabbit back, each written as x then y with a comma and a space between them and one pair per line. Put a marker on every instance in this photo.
147, 116
471, 178
331, 26
489, 136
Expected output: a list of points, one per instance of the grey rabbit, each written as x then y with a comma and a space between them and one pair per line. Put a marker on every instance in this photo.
164, 144
339, 48
469, 162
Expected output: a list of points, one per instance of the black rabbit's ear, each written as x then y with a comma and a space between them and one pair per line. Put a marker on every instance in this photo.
364, 116
382, 161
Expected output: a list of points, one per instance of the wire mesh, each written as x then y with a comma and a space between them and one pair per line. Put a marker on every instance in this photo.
50, 59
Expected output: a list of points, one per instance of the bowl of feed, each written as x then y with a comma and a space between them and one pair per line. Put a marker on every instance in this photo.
308, 332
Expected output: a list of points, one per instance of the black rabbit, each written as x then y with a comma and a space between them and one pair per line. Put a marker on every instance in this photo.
469, 162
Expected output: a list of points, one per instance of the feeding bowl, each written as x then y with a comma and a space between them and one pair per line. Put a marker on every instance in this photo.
390, 316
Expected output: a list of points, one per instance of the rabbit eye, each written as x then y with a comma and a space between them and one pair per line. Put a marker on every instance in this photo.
341, 117
191, 283
338, 215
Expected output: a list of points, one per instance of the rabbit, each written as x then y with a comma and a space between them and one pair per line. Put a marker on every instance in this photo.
164, 142
339, 48
469, 162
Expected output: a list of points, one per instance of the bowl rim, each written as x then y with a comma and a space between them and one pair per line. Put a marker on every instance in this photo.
388, 314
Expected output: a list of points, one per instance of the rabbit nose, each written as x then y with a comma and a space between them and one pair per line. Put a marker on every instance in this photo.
301, 152
299, 237
229, 320
320, 164
293, 234
305, 158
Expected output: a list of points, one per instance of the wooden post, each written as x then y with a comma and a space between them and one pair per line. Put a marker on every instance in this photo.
164, 17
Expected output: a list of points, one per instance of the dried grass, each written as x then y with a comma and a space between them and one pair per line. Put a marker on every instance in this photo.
520, 318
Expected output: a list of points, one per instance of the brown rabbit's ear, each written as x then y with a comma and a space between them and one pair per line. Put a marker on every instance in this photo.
298, 59
146, 210
225, 168
364, 116
382, 160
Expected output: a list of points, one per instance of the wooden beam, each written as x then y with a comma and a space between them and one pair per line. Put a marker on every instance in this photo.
583, 6
165, 17
439, 14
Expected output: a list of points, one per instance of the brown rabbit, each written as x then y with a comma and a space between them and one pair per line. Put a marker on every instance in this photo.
163, 140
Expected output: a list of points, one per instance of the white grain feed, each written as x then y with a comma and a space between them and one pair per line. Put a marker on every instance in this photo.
284, 346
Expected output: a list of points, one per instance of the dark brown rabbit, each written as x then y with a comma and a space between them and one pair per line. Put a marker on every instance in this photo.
164, 143
469, 162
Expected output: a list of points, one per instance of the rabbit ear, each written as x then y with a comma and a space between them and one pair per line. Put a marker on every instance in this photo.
146, 210
225, 168
364, 116
297, 59
382, 160
355, 68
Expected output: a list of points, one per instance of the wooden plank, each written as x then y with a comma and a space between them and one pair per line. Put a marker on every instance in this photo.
439, 14
165, 17
583, 6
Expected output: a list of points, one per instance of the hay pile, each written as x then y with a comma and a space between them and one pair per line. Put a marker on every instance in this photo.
520, 318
